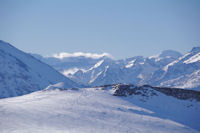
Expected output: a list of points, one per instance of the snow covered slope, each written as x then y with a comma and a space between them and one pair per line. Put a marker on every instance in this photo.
182, 73
96, 110
20, 73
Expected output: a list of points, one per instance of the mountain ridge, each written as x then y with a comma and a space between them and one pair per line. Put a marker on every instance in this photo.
22, 73
140, 70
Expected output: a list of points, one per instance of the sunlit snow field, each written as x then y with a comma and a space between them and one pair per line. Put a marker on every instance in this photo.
88, 110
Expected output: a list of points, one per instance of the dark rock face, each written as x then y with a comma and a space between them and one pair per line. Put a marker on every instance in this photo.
126, 90
179, 93
147, 91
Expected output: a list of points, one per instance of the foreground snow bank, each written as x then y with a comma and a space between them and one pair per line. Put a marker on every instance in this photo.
83, 111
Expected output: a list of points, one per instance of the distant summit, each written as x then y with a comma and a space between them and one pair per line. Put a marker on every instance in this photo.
195, 49
170, 53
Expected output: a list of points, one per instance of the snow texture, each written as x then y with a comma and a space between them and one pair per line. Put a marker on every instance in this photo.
96, 110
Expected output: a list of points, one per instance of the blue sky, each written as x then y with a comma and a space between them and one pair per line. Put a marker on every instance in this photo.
123, 28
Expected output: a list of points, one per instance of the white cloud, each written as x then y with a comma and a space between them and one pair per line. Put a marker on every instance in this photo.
77, 54
70, 71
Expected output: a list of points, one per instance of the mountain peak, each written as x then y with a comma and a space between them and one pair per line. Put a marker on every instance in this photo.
171, 53
21, 74
195, 49
167, 54
5, 44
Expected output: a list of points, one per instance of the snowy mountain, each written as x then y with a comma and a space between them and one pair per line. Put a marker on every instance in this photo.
68, 63
101, 109
105, 70
57, 104
169, 68
21, 73
182, 73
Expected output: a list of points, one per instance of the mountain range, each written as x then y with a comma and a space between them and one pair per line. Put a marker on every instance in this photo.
84, 92
169, 68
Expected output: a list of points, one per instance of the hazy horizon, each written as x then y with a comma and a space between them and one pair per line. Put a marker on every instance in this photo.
121, 28
96, 55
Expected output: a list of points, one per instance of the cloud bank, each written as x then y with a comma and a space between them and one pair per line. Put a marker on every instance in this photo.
78, 54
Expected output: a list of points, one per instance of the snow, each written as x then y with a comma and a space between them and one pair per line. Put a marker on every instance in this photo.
21, 73
166, 54
175, 61
168, 68
193, 59
130, 64
137, 70
98, 64
190, 80
70, 71
56, 86
106, 69
96, 76
183, 72
89, 110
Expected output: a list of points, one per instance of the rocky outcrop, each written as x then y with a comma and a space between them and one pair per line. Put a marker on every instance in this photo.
149, 91
179, 93
127, 90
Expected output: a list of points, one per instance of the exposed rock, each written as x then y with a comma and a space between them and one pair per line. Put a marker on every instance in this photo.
126, 90
179, 93
148, 91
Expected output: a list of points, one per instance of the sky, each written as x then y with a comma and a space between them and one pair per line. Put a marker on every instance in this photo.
123, 28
